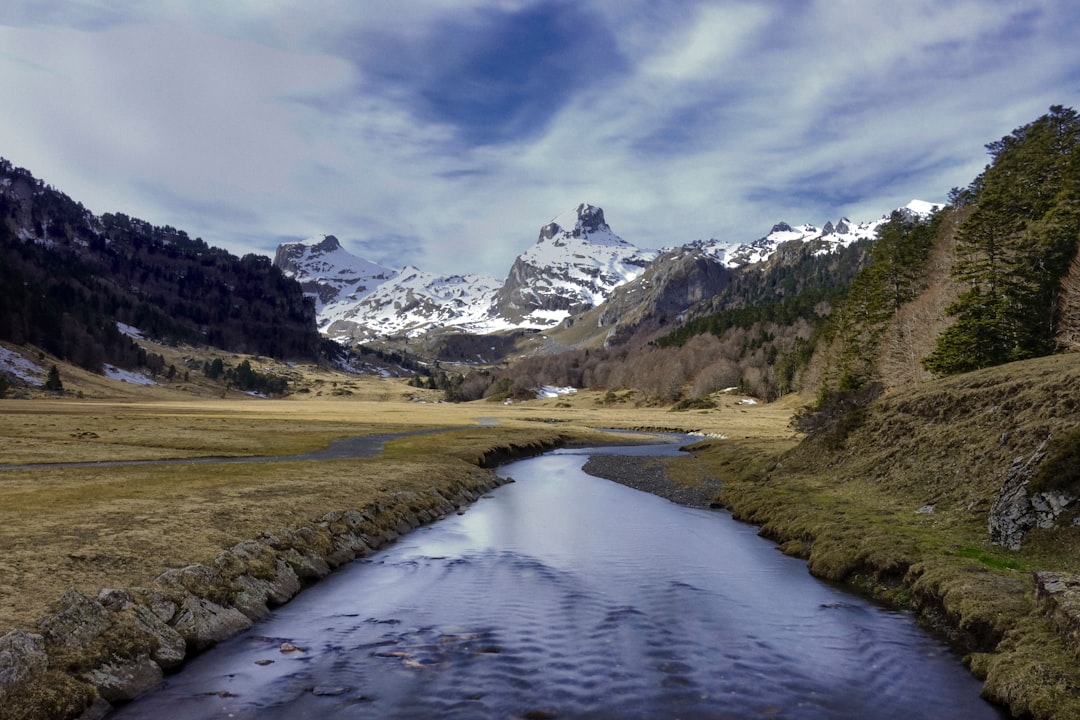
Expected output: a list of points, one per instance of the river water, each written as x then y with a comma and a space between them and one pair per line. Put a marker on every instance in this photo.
565, 595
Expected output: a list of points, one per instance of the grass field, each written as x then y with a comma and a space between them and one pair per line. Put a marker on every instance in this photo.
892, 500
120, 526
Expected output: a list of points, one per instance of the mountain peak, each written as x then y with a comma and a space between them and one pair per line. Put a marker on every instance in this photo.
326, 243
582, 221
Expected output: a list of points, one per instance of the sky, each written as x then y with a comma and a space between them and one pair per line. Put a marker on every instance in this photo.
445, 133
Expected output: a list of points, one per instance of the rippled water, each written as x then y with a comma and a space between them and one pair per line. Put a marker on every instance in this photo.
570, 596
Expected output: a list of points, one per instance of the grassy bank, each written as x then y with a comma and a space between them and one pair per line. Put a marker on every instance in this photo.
894, 501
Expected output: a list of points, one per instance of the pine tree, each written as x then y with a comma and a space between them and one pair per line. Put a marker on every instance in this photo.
1015, 247
53, 382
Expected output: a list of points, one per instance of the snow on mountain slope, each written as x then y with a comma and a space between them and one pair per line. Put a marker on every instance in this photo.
573, 267
357, 299
413, 302
328, 272
827, 238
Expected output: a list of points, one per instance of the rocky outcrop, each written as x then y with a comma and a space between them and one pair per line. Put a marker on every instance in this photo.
1017, 510
674, 282
98, 652
575, 264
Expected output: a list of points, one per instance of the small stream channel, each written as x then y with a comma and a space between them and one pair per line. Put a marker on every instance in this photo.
565, 595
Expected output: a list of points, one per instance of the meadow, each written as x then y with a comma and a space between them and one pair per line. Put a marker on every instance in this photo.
97, 526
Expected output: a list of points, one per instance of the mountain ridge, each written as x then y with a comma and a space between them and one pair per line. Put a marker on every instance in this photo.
574, 266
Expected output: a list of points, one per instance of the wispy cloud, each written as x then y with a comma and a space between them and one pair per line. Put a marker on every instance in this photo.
446, 134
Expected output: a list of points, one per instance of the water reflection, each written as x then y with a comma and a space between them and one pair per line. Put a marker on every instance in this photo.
570, 596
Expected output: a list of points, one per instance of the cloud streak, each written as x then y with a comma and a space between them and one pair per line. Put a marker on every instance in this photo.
446, 134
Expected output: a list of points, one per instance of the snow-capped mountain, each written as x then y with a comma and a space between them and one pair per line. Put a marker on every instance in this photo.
413, 302
357, 299
826, 239
573, 267
329, 273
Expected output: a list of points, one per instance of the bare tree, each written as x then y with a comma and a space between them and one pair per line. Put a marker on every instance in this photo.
1068, 333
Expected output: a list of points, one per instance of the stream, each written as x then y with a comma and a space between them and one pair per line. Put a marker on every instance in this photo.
563, 595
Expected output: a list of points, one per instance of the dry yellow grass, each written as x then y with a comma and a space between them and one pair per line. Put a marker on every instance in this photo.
118, 526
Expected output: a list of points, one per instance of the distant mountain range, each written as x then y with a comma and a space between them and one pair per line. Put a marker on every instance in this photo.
71, 281
574, 267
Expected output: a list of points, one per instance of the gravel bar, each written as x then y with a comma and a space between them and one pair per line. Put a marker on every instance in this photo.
650, 475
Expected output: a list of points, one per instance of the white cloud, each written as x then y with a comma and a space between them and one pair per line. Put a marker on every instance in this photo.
244, 122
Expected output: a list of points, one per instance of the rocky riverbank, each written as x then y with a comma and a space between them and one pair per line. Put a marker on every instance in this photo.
94, 652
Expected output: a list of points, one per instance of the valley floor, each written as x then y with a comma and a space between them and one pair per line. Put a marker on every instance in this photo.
894, 504
90, 527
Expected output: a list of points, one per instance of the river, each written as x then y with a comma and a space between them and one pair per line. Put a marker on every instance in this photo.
565, 595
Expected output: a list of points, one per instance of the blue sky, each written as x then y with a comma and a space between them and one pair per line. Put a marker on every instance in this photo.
446, 133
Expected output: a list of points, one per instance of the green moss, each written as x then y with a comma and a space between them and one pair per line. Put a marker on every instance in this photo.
990, 560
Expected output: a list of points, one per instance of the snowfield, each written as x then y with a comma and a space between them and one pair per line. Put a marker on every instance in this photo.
16, 366
127, 376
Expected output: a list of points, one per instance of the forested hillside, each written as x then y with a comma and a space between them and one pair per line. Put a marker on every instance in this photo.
68, 277
985, 282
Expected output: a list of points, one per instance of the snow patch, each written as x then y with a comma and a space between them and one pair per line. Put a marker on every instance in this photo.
15, 365
921, 207
551, 391
130, 331
135, 378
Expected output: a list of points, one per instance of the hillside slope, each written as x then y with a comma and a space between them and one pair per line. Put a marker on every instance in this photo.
919, 496
68, 277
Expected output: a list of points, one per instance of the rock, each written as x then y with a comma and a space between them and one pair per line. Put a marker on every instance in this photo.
203, 623
256, 595
1048, 505
168, 647
306, 565
1057, 595
98, 710
251, 598
79, 622
1012, 514
120, 681
285, 585
115, 600
22, 655
346, 548
200, 580
163, 607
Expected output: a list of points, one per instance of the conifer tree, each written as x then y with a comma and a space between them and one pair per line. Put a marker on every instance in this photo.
53, 382
1015, 247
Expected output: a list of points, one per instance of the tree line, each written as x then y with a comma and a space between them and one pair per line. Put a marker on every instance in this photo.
67, 278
